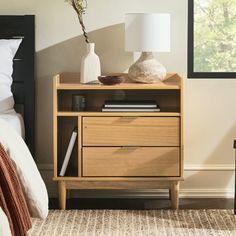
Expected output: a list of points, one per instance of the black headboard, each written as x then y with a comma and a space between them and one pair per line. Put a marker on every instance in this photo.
23, 86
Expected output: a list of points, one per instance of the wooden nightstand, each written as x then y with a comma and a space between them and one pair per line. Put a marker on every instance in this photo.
119, 150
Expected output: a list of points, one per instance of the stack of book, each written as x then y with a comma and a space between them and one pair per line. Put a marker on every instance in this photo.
130, 106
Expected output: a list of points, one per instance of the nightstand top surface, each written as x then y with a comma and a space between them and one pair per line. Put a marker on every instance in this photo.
67, 81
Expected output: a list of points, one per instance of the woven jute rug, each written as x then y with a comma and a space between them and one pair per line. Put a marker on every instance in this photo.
133, 222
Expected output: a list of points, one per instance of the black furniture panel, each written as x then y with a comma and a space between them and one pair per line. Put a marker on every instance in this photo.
24, 69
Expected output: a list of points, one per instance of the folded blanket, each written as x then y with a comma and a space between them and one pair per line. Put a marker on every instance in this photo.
12, 199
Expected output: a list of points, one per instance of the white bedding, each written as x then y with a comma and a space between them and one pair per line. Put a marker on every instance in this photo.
4, 225
8, 49
15, 120
30, 178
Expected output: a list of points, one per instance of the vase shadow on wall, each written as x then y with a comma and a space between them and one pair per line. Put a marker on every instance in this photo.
66, 57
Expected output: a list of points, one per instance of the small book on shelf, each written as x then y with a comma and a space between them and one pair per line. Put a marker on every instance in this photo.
69, 151
130, 109
130, 106
130, 103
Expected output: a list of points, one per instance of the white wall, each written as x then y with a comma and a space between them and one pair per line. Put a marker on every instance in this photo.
210, 111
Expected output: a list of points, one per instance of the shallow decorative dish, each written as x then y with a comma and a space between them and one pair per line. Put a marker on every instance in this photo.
111, 79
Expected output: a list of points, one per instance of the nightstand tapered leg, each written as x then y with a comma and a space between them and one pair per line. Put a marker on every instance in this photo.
175, 195
62, 194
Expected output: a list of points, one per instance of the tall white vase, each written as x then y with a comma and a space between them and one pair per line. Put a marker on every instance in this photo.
90, 65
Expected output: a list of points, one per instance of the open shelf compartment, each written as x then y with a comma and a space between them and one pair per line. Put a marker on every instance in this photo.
168, 100
66, 125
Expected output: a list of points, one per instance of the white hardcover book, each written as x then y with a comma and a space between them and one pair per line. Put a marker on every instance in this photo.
130, 109
131, 105
68, 153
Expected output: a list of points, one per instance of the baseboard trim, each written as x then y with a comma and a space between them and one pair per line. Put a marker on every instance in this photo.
207, 193
162, 193
47, 170
209, 167
184, 193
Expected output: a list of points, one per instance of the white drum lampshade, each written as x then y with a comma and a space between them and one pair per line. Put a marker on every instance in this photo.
147, 33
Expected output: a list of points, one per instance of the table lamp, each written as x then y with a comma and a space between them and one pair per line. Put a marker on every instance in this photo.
147, 33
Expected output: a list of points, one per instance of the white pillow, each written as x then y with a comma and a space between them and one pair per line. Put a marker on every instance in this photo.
33, 186
8, 49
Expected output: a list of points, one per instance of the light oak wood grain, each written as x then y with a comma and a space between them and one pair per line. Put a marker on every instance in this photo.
114, 179
62, 194
155, 162
131, 131
121, 114
55, 110
174, 195
70, 82
131, 161
182, 127
118, 185
79, 146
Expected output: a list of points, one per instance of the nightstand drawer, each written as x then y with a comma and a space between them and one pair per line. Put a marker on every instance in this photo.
131, 131
131, 161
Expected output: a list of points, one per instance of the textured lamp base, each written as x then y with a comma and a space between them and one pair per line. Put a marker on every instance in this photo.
147, 69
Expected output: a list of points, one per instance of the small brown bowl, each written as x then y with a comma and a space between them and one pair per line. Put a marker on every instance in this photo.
111, 79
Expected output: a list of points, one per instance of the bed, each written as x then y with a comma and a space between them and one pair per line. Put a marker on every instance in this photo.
23, 193
23, 86
16, 121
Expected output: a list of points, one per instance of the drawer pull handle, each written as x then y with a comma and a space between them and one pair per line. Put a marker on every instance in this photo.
130, 147
129, 117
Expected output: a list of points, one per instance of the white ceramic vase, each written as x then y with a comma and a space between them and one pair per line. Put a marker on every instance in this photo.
90, 65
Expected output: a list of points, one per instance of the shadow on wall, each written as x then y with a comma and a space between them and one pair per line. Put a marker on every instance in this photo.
66, 57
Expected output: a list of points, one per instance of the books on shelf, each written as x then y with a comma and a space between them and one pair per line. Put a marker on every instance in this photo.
130, 103
69, 151
130, 106
130, 109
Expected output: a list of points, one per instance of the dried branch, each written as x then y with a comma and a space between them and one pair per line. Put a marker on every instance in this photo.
80, 7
